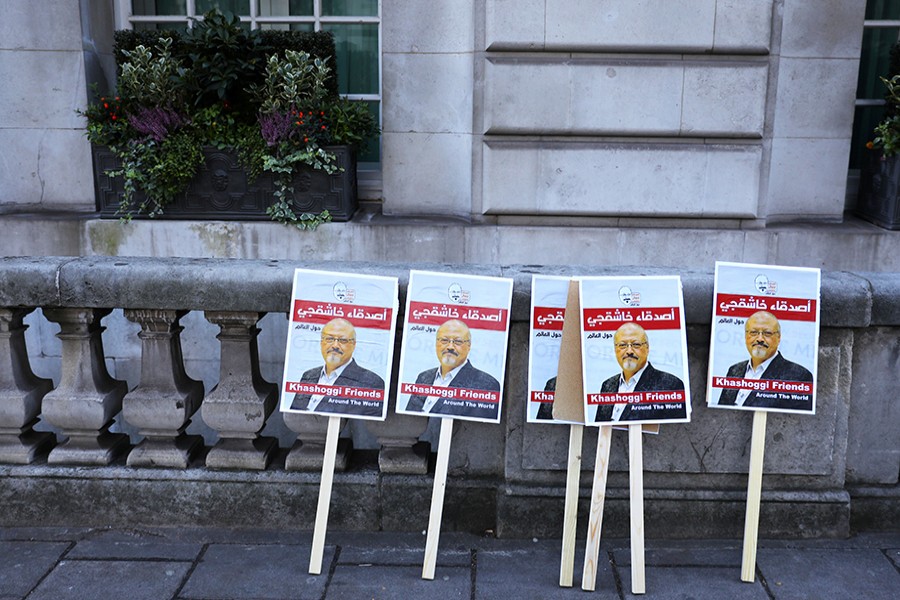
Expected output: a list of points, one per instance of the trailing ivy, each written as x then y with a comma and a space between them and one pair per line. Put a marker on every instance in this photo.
160, 170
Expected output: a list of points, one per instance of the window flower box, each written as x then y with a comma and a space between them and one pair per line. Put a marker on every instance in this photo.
182, 97
879, 190
221, 189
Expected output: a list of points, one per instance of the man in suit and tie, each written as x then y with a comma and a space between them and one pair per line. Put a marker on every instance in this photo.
632, 350
452, 345
762, 334
340, 369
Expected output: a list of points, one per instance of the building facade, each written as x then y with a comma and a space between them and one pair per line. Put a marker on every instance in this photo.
731, 112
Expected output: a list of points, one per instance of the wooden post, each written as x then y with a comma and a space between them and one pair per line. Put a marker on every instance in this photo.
636, 480
570, 518
595, 519
437, 499
754, 491
318, 544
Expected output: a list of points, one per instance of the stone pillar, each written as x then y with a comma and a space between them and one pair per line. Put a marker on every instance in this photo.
237, 408
20, 394
87, 399
401, 451
308, 452
162, 404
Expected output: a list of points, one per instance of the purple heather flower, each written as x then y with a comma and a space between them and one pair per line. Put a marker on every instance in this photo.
275, 127
156, 122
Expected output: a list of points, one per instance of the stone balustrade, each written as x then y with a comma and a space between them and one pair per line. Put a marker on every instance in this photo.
90, 451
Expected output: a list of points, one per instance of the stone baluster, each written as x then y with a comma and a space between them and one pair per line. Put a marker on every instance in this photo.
162, 404
237, 408
398, 437
87, 399
21, 393
308, 452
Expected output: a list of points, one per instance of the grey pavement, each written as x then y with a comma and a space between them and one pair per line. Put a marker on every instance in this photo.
216, 563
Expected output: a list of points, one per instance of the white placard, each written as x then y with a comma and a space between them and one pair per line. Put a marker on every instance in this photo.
453, 355
764, 346
340, 344
548, 310
634, 350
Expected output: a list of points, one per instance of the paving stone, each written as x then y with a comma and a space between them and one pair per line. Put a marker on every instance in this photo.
894, 555
686, 556
135, 550
92, 580
689, 583
400, 583
802, 574
230, 572
401, 556
22, 564
536, 574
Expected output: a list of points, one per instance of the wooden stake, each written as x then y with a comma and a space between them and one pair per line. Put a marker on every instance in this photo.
318, 544
437, 499
636, 479
754, 491
570, 518
595, 519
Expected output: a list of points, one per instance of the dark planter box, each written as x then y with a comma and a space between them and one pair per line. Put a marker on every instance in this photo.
879, 191
221, 190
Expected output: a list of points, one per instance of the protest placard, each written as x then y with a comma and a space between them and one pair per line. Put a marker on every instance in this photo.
452, 364
548, 312
763, 353
338, 362
634, 355
340, 344
453, 354
765, 338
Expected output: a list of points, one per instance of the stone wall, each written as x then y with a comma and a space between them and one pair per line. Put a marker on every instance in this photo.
712, 109
246, 466
48, 57
509, 109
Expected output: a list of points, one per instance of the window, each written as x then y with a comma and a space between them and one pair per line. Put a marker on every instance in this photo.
356, 25
882, 30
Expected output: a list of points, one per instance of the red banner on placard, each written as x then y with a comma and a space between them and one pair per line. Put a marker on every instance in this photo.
637, 397
424, 389
476, 317
742, 305
549, 319
370, 317
334, 391
610, 319
762, 385
544, 397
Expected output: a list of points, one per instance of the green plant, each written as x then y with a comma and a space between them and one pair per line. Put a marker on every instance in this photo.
269, 96
292, 81
150, 80
221, 58
351, 123
159, 169
887, 132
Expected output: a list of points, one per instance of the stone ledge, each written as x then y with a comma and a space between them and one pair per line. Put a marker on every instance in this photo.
848, 299
363, 500
677, 243
528, 511
875, 508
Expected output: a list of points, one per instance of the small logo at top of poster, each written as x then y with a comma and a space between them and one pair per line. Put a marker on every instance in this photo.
342, 293
764, 286
629, 297
457, 294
